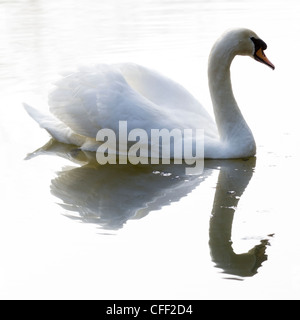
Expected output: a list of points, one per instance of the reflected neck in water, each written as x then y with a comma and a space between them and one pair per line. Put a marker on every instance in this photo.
233, 180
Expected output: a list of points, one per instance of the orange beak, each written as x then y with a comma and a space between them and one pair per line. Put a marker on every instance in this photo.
261, 57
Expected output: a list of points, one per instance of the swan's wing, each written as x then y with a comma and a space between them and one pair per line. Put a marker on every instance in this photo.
180, 106
99, 97
79, 96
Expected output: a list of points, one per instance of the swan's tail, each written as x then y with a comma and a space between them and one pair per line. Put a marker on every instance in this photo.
57, 129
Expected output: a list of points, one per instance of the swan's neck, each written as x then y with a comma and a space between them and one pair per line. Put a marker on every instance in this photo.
235, 135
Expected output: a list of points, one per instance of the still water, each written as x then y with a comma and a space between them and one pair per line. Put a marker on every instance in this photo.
71, 229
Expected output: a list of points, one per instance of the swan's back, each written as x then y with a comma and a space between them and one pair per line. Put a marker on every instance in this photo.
99, 97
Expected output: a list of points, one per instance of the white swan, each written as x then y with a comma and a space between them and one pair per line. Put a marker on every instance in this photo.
99, 97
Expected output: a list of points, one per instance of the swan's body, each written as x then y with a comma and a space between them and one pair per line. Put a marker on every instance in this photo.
99, 97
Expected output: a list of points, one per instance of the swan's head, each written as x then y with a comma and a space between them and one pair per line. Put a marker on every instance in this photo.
247, 42
242, 42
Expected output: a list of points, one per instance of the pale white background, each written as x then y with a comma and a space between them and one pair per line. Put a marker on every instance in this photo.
164, 255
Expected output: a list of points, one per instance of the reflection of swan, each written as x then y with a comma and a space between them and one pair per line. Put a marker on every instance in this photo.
232, 182
110, 195
99, 97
